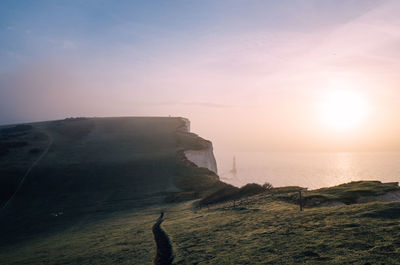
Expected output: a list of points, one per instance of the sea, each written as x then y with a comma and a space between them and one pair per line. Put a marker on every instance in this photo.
310, 170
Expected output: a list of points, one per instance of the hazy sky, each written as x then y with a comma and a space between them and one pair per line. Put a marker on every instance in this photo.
249, 74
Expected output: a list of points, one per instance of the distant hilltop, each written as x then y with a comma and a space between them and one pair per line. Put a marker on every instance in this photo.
75, 166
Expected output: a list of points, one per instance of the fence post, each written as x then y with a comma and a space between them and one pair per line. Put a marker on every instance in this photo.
300, 201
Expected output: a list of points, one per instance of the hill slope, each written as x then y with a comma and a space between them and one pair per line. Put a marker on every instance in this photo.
96, 187
74, 169
261, 229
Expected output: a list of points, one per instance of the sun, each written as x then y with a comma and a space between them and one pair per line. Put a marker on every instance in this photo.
342, 109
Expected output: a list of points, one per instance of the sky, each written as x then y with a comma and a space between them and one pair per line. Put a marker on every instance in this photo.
250, 75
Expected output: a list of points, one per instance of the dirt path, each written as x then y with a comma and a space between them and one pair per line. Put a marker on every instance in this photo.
164, 254
27, 173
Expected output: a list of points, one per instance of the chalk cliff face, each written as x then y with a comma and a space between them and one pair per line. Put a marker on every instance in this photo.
203, 157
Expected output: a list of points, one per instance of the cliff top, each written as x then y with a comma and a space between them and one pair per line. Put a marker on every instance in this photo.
79, 166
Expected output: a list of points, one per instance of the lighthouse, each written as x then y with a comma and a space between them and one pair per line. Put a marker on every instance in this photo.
234, 170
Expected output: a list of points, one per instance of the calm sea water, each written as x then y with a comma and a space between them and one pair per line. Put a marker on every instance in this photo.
312, 170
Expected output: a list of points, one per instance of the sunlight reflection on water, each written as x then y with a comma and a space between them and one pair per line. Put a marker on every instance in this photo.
312, 170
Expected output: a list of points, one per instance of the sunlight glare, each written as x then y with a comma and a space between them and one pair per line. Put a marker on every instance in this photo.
342, 110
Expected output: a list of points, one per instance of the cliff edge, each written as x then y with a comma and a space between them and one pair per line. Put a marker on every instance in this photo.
197, 168
53, 174
203, 156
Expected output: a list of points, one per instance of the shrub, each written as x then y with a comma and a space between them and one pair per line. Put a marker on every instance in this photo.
267, 186
230, 192
226, 193
251, 189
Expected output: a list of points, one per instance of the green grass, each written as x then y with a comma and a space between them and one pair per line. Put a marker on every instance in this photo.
348, 193
268, 231
260, 230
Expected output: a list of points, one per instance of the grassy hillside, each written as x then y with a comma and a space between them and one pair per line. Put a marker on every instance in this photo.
348, 193
92, 166
99, 185
260, 230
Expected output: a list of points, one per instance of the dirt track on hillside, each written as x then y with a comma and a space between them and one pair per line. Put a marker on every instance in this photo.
164, 255
28, 172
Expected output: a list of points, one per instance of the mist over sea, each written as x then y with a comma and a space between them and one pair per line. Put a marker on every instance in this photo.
311, 170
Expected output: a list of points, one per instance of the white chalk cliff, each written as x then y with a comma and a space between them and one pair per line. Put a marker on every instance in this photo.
202, 157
